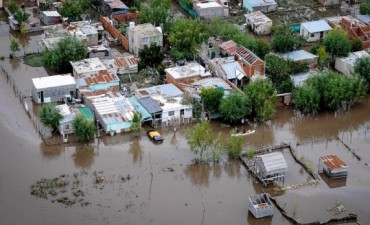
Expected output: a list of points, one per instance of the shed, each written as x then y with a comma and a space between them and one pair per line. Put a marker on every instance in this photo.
314, 30
208, 10
346, 65
258, 22
260, 5
53, 88
50, 17
260, 205
301, 56
333, 166
270, 168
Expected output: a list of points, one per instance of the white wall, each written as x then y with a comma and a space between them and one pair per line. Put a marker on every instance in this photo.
188, 113
343, 67
263, 29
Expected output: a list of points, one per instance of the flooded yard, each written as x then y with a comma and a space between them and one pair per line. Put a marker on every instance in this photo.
166, 186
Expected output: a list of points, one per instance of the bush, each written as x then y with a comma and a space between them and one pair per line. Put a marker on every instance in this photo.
84, 128
233, 145
12, 6
50, 115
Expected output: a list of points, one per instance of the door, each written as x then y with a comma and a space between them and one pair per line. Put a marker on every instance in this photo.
42, 96
182, 112
321, 34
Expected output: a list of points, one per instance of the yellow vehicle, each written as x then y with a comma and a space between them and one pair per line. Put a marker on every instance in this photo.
155, 136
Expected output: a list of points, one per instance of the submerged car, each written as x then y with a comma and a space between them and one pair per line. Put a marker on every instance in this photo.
155, 136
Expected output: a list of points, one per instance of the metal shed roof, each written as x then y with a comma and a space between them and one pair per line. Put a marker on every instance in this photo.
316, 26
298, 55
150, 105
273, 161
333, 162
51, 13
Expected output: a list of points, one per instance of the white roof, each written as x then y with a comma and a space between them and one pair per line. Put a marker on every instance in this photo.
88, 65
316, 26
208, 5
255, 3
257, 18
298, 55
273, 161
53, 81
51, 13
170, 104
189, 70
299, 78
353, 56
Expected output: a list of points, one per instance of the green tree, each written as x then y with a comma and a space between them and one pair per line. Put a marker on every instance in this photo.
201, 141
263, 47
156, 12
50, 115
136, 122
233, 146
14, 45
73, 9
12, 6
150, 56
284, 40
365, 7
307, 99
186, 36
84, 128
66, 50
235, 107
21, 16
323, 58
211, 98
337, 44
263, 96
362, 68
356, 45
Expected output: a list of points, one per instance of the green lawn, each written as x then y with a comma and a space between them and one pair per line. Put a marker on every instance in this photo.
34, 60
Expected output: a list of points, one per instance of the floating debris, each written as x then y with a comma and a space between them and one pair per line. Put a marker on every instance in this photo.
168, 169
338, 209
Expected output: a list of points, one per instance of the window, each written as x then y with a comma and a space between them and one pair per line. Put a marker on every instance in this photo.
66, 127
171, 113
312, 35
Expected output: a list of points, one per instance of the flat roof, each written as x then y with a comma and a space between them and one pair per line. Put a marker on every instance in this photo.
333, 162
192, 69
316, 26
229, 47
116, 4
232, 68
208, 4
165, 90
150, 105
146, 30
299, 78
215, 82
255, 3
273, 161
170, 104
53, 81
353, 56
298, 55
88, 65
257, 18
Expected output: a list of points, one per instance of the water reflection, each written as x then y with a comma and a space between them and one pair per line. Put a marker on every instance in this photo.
83, 157
333, 183
251, 220
135, 150
51, 151
198, 173
15, 64
263, 136
232, 168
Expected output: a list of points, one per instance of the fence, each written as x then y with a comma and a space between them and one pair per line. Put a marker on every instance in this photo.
113, 31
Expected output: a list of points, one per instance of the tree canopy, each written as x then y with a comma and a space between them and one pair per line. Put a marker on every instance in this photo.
284, 40
186, 36
337, 44
362, 68
307, 99
235, 107
211, 98
136, 122
262, 95
50, 115
14, 45
233, 146
66, 50
84, 128
365, 7
156, 12
73, 9
150, 56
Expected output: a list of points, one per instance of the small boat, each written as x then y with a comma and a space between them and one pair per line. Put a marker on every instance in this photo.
244, 133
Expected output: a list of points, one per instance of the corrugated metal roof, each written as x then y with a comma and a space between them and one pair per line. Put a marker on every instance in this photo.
316, 26
273, 161
139, 108
150, 105
333, 162
51, 13
363, 18
298, 55
247, 55
232, 69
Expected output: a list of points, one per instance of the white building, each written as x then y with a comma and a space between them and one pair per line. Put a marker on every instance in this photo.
346, 65
208, 10
87, 66
53, 88
301, 56
314, 30
141, 35
259, 23
69, 113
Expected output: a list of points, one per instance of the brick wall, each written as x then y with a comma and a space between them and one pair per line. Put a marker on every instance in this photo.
113, 31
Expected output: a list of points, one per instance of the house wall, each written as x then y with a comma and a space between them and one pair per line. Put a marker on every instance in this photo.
330, 2
138, 41
66, 128
210, 12
188, 113
311, 37
49, 20
1, 4
92, 40
266, 8
177, 82
257, 68
343, 67
52, 94
262, 29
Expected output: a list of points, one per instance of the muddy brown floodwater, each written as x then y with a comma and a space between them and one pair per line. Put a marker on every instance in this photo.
191, 193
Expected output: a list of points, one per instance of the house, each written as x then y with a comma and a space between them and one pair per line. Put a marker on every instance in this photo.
260, 205
112, 7
69, 113
225, 5
208, 9
314, 30
126, 64
346, 65
270, 168
50, 17
101, 80
169, 98
87, 32
330, 2
333, 166
87, 66
260, 5
141, 35
154, 109
231, 70
53, 88
209, 82
301, 56
113, 111
191, 72
228, 48
258, 23
253, 66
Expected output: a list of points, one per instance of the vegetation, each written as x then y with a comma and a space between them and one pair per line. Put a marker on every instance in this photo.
337, 44
156, 12
12, 6
262, 95
362, 68
66, 50
365, 7
136, 122
186, 37
201, 141
21, 16
235, 107
284, 40
34, 60
323, 58
150, 56
251, 153
211, 98
336, 92
14, 45
233, 145
279, 71
50, 115
84, 128
356, 45
74, 9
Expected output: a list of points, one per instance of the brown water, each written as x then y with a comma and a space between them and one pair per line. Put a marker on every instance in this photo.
192, 193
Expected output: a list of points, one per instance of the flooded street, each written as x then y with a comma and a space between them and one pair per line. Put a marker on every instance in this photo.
191, 193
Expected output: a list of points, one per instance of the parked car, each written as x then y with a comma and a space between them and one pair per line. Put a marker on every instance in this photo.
155, 136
